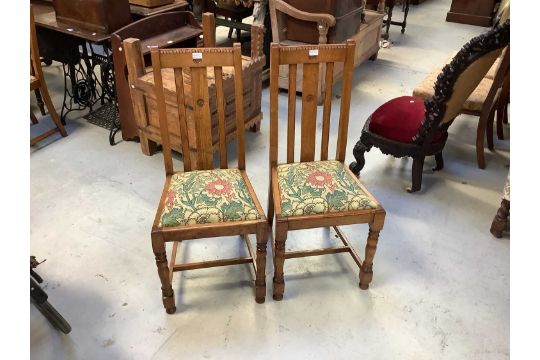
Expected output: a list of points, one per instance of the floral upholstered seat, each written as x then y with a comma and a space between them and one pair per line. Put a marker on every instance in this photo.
319, 187
208, 196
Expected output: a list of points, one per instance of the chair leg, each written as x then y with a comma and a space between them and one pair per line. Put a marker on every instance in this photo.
366, 270
167, 293
501, 219
358, 152
270, 212
489, 129
480, 134
279, 261
33, 117
388, 22
260, 281
417, 168
52, 111
40, 102
439, 162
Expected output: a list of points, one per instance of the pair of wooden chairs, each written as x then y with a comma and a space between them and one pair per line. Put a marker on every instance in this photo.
214, 202
37, 83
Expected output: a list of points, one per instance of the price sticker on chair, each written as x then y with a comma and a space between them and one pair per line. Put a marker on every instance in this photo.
196, 56
313, 52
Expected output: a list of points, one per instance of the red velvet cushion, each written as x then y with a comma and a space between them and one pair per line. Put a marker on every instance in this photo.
399, 119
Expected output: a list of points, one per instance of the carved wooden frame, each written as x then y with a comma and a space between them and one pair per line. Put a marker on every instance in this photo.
435, 109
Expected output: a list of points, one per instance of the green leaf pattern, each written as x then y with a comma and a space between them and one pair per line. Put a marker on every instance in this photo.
319, 187
209, 196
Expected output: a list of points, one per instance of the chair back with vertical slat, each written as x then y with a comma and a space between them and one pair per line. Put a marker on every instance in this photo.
196, 63
314, 59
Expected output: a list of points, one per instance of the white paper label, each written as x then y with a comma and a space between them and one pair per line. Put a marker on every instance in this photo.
314, 52
196, 56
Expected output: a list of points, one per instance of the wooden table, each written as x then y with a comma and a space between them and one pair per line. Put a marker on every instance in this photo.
473, 12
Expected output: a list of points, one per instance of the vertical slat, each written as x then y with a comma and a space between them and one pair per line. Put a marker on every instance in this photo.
328, 81
180, 98
309, 111
239, 103
162, 111
274, 89
292, 113
220, 103
345, 102
209, 30
201, 114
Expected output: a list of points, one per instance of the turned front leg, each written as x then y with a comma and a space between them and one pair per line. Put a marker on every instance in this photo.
366, 271
158, 246
279, 260
260, 281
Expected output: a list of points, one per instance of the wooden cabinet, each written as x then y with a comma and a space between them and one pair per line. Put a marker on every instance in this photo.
473, 12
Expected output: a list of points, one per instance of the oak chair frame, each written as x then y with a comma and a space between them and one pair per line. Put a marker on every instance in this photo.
181, 60
436, 119
292, 56
37, 82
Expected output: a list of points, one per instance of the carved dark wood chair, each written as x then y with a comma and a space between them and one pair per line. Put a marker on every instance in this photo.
206, 202
409, 126
37, 82
307, 193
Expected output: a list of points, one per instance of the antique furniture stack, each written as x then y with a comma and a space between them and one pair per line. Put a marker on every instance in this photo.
37, 82
171, 29
325, 22
208, 202
306, 193
144, 98
408, 126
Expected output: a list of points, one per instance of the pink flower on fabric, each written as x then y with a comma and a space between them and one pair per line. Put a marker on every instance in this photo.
171, 195
320, 178
219, 187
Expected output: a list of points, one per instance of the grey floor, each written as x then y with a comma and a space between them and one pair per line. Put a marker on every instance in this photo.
441, 281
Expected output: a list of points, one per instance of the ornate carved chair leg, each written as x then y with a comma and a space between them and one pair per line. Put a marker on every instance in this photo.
500, 221
158, 246
279, 260
417, 168
388, 22
358, 152
260, 281
366, 271
439, 162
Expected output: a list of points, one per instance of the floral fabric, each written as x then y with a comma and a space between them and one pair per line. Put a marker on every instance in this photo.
209, 196
319, 187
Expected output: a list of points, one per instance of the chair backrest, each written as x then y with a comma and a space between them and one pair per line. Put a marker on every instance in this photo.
35, 59
313, 58
195, 63
460, 78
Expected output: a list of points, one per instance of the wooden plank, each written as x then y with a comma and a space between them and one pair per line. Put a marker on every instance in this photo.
310, 83
212, 263
239, 101
201, 115
300, 54
345, 102
251, 252
209, 30
179, 81
292, 114
162, 111
274, 90
328, 81
316, 252
346, 242
171, 58
218, 75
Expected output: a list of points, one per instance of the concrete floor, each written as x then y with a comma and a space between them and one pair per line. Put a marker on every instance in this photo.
441, 281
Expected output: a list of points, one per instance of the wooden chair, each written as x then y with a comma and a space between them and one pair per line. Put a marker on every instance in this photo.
409, 126
366, 36
209, 202
311, 194
37, 82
